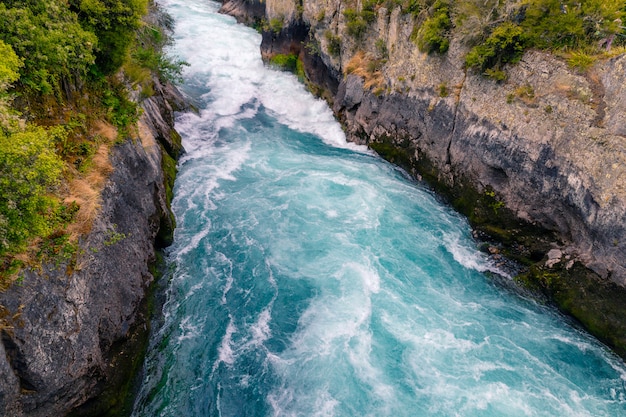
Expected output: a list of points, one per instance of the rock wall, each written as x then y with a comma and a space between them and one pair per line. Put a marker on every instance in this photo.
72, 334
537, 162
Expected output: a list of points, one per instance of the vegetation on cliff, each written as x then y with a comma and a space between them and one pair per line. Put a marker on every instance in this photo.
63, 103
497, 32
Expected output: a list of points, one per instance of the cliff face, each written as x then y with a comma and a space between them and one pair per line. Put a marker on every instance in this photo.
537, 162
72, 331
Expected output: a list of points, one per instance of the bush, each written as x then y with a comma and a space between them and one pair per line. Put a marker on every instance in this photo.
434, 32
114, 22
29, 169
506, 44
580, 61
289, 62
276, 25
334, 43
50, 41
355, 24
9, 67
553, 24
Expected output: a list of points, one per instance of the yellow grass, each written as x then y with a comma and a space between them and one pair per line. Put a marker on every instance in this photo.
360, 65
85, 189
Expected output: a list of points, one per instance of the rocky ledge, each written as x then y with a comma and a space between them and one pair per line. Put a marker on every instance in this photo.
73, 333
537, 163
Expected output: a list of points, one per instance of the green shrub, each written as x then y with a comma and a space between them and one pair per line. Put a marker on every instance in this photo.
433, 35
414, 7
506, 44
50, 41
9, 67
334, 43
29, 169
276, 25
443, 90
287, 62
114, 22
553, 24
495, 74
580, 61
381, 48
122, 112
355, 24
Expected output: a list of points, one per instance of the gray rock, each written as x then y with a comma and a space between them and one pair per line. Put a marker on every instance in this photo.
62, 327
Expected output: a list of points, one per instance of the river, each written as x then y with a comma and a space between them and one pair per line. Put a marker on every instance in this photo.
308, 277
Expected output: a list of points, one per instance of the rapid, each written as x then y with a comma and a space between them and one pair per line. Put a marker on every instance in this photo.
308, 277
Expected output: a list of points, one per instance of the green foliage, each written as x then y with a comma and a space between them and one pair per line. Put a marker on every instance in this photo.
51, 42
276, 25
29, 170
122, 112
493, 201
289, 62
55, 56
495, 74
355, 24
9, 66
113, 236
499, 31
114, 22
443, 90
553, 24
151, 58
415, 7
580, 61
433, 35
381, 48
285, 61
333, 42
506, 44
368, 12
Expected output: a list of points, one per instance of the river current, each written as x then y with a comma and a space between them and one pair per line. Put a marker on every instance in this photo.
308, 277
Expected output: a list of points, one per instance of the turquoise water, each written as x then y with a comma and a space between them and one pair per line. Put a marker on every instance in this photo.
311, 278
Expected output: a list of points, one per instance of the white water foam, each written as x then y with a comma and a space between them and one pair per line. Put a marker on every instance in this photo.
342, 298
225, 351
470, 258
234, 75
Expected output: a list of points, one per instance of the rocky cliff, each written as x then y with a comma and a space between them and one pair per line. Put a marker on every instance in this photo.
72, 333
536, 162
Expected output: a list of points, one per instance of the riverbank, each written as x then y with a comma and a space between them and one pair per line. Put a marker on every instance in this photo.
74, 332
536, 163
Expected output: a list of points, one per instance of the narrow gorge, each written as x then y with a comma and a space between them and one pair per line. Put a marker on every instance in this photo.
385, 232
537, 162
308, 276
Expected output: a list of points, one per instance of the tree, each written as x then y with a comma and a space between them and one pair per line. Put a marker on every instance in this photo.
29, 169
114, 22
49, 40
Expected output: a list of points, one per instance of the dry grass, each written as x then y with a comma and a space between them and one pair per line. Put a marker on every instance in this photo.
367, 67
106, 130
526, 93
85, 189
